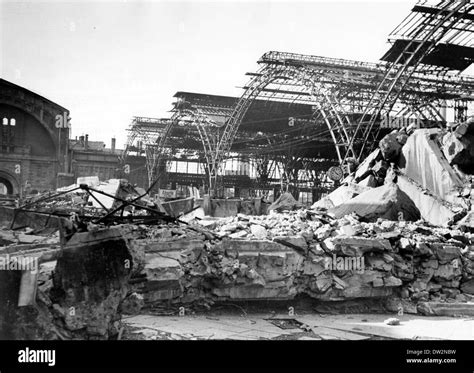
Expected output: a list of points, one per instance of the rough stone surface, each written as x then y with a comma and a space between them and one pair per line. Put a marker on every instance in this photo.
386, 201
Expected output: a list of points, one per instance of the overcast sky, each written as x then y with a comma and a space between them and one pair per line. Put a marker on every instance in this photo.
109, 61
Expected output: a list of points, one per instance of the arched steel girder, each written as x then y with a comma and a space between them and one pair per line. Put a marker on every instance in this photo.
423, 40
426, 110
150, 151
203, 123
321, 94
155, 142
154, 146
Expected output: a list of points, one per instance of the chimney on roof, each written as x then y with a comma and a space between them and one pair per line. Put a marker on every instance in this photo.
86, 142
113, 145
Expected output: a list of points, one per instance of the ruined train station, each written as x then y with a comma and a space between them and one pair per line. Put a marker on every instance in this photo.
329, 187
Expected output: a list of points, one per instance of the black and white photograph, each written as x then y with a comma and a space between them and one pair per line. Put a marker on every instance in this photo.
195, 173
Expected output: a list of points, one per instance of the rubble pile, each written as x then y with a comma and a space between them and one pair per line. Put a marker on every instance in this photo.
422, 173
77, 289
282, 255
394, 230
304, 222
85, 287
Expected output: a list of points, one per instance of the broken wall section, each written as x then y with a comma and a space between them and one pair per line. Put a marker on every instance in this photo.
305, 252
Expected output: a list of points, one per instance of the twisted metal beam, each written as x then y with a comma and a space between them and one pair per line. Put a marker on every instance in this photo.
423, 40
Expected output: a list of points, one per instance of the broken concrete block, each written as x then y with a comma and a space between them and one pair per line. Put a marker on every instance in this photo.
468, 287
163, 267
431, 263
338, 283
431, 208
322, 283
387, 202
378, 263
258, 231
368, 163
446, 309
239, 234
285, 202
347, 230
394, 304
313, 268
422, 249
445, 253
378, 282
297, 243
392, 321
356, 246
447, 272
323, 232
468, 220
336, 197
133, 304
392, 281
422, 149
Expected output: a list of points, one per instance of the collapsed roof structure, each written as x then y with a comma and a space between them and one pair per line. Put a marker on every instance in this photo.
322, 111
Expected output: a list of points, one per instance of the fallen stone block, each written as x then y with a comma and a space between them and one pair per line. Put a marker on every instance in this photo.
133, 304
445, 253
176, 245
278, 266
356, 246
322, 283
447, 272
364, 291
313, 268
431, 263
258, 232
162, 266
284, 203
253, 292
368, 163
338, 196
392, 321
387, 202
467, 221
392, 281
468, 287
439, 178
396, 305
296, 243
432, 209
378, 263
446, 309
239, 234
250, 246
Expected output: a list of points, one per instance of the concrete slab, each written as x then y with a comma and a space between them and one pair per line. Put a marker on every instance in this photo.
344, 327
386, 201
411, 326
422, 149
432, 209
